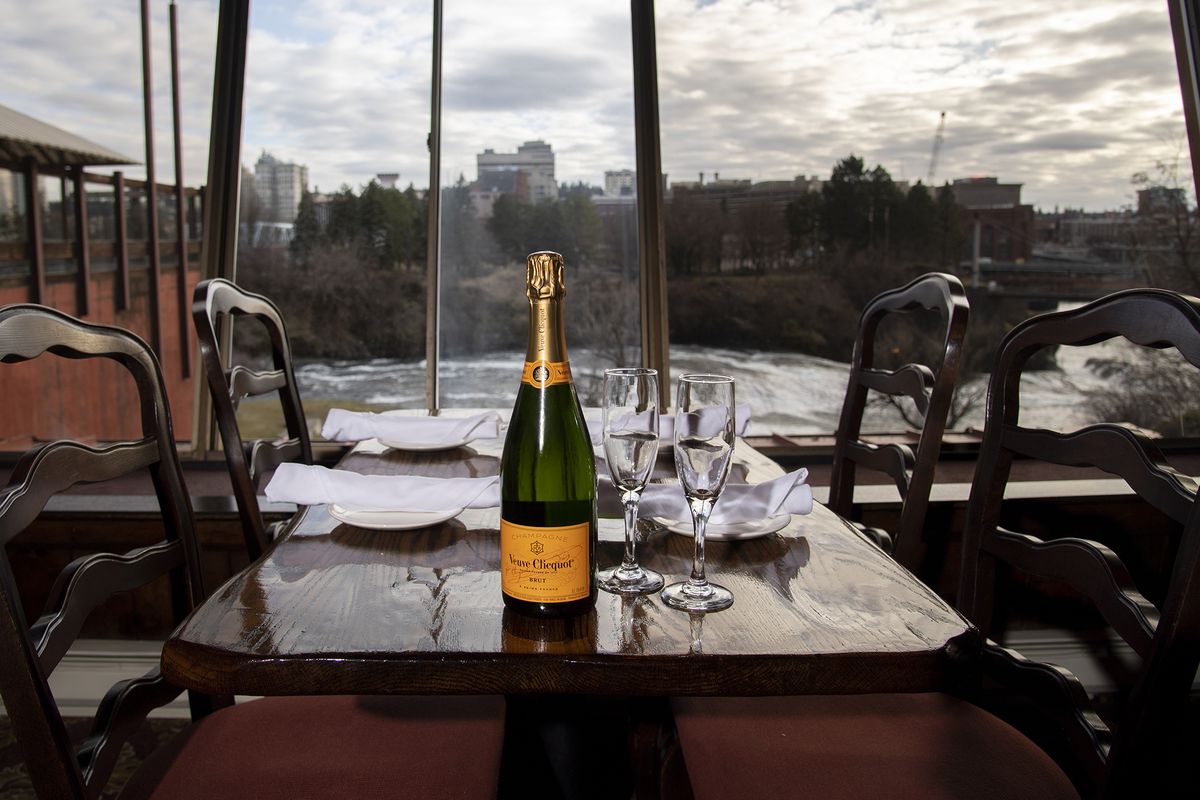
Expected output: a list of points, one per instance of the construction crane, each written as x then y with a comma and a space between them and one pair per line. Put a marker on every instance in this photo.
937, 147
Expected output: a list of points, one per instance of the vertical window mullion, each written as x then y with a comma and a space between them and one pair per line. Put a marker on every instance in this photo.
1185, 27
434, 207
652, 246
218, 247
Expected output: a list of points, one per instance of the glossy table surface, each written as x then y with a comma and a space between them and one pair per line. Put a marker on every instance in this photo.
334, 609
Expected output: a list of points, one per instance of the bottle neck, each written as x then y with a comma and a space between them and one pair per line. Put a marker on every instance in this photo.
546, 339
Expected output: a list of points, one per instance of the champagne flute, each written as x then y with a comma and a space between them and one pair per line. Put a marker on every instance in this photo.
704, 436
630, 446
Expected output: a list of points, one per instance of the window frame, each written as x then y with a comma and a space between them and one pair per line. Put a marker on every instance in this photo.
219, 246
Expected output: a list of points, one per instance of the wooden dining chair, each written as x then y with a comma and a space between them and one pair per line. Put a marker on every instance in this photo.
936, 745
931, 389
249, 460
287, 747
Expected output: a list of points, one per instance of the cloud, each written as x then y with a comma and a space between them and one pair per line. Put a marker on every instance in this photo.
1073, 141
511, 80
1069, 102
1061, 102
78, 65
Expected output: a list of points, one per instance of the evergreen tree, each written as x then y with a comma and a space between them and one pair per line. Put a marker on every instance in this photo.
916, 225
509, 225
802, 217
859, 205
462, 234
307, 234
948, 233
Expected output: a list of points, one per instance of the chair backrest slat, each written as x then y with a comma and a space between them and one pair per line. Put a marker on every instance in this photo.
89, 581
914, 381
245, 382
893, 459
266, 456
932, 392
247, 461
1118, 451
57, 768
56, 467
1167, 636
1095, 570
1086, 733
117, 718
30, 706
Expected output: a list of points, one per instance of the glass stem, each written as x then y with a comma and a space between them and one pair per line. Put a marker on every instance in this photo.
701, 509
630, 500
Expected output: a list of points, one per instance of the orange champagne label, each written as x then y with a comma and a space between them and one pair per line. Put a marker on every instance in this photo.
544, 565
540, 374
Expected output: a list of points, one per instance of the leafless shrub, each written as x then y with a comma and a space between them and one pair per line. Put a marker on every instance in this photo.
966, 399
1153, 389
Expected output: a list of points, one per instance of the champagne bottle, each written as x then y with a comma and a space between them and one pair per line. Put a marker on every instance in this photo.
547, 473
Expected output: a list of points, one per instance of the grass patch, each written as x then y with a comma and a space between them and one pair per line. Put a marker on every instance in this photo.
262, 417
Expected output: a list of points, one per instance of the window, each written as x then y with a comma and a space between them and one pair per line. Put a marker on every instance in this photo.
817, 155
537, 154
807, 161
333, 213
74, 134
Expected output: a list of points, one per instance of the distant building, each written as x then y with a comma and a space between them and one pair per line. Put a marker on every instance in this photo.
487, 190
1160, 200
993, 211
618, 182
279, 186
978, 193
735, 194
1081, 230
272, 234
388, 180
528, 173
322, 208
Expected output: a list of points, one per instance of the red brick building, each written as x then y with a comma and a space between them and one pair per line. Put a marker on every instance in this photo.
994, 210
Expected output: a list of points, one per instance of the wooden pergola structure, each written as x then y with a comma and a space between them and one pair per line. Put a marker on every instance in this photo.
33, 148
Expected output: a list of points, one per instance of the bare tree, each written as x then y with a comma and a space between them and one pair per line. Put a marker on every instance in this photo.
1167, 233
1152, 389
603, 317
966, 399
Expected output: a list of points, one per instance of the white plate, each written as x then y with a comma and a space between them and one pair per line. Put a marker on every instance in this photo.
424, 447
391, 520
733, 532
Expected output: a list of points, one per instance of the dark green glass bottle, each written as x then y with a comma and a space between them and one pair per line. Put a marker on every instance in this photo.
547, 473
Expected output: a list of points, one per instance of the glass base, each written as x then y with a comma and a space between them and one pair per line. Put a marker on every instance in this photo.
619, 580
701, 597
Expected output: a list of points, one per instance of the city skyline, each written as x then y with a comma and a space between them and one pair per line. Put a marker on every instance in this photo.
1069, 103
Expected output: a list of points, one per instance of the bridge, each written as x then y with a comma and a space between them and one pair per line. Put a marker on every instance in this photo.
1056, 279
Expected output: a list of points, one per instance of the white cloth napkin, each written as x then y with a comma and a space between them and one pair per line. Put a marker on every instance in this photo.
738, 503
311, 485
666, 423
354, 426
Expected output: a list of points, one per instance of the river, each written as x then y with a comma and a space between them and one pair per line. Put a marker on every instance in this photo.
788, 392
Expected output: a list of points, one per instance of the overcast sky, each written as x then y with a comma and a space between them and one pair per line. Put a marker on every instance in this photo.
1068, 98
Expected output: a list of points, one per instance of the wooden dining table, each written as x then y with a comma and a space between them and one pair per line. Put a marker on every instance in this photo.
336, 609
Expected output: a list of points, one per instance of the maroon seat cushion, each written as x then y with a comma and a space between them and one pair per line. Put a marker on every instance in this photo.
928, 746
326, 747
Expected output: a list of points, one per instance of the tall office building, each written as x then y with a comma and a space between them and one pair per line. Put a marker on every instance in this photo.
619, 182
279, 186
533, 164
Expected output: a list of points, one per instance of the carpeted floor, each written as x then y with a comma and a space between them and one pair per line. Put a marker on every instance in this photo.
15, 783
